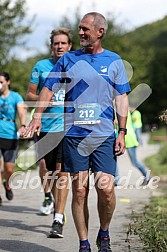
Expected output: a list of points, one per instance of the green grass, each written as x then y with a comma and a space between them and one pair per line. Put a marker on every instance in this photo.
158, 163
151, 224
158, 132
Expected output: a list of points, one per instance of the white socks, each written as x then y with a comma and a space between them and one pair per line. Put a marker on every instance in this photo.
58, 217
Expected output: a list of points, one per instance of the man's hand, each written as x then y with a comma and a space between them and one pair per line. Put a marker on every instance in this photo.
34, 125
120, 144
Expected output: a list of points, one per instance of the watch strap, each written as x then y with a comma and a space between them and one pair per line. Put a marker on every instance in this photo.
123, 129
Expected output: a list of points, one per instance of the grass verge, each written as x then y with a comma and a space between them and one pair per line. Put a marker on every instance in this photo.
158, 163
151, 224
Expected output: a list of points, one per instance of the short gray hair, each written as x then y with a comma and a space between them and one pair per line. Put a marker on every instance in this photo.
99, 20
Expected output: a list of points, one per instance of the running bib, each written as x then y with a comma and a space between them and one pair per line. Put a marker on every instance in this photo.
87, 113
59, 97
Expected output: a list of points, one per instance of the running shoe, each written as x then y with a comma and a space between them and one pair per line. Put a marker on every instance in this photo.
103, 244
0, 201
57, 230
47, 206
8, 190
64, 216
84, 249
145, 182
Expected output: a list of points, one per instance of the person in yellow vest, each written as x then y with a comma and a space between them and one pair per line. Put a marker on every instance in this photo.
137, 124
131, 147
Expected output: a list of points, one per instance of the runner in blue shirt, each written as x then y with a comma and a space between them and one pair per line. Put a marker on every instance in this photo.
11, 104
94, 78
50, 154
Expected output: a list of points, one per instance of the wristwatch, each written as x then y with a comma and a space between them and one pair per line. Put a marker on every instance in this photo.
123, 129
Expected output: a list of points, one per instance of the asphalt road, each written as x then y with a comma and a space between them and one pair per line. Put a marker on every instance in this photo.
22, 229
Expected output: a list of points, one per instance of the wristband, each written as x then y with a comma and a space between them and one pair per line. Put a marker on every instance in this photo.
123, 129
23, 125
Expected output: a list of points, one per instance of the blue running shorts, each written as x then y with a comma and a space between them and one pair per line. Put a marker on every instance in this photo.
96, 152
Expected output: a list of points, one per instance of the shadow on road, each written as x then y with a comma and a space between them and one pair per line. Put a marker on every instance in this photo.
20, 246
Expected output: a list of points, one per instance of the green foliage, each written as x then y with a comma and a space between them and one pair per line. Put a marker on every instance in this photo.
20, 73
73, 25
146, 51
164, 155
157, 132
12, 28
112, 39
158, 77
151, 226
157, 163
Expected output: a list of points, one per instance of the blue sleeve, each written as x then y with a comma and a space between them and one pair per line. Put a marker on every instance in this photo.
35, 75
19, 98
121, 82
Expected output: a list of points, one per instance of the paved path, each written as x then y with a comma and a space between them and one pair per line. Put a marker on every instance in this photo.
22, 229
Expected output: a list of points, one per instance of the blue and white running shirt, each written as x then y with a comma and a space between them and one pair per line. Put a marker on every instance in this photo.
92, 82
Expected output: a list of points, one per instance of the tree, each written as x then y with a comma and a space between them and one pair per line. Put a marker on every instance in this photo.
20, 73
13, 27
158, 78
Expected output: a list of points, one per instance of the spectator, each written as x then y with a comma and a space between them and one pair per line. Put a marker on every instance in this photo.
131, 147
137, 124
